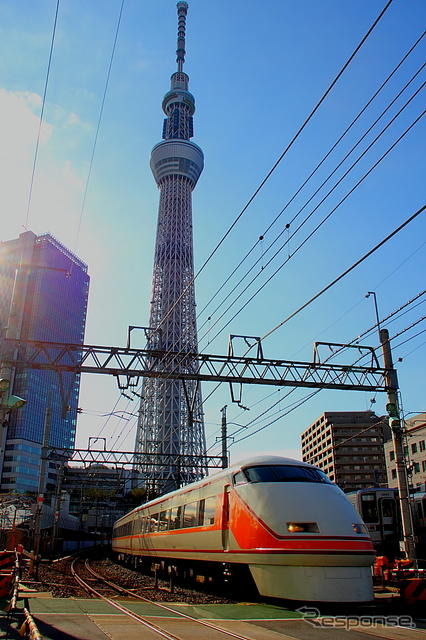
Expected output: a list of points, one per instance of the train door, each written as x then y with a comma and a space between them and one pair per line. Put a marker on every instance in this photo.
225, 518
370, 515
389, 525
388, 518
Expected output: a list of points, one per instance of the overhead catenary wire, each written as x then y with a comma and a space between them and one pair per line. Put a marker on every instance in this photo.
52, 42
416, 335
354, 341
313, 172
89, 173
346, 272
306, 398
390, 274
397, 313
319, 225
419, 346
280, 158
287, 226
331, 357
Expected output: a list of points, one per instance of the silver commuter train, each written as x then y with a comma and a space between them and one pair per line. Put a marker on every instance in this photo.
283, 519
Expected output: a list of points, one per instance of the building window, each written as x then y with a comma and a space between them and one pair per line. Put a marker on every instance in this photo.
414, 447
416, 467
423, 465
393, 474
422, 445
391, 455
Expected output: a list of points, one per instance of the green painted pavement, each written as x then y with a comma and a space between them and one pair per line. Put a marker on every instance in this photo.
243, 611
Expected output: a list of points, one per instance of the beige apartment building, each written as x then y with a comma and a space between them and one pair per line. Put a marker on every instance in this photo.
415, 454
348, 447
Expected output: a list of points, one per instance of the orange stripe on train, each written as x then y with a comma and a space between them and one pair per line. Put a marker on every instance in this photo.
251, 533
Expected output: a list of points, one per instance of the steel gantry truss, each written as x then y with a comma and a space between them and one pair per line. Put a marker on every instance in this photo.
128, 365
88, 457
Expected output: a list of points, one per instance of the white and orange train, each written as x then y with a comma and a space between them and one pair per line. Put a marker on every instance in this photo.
280, 519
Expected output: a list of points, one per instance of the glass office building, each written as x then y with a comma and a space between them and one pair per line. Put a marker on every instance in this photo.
43, 296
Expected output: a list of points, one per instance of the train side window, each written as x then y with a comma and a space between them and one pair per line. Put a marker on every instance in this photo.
369, 508
190, 515
388, 507
240, 478
153, 523
176, 518
140, 524
200, 520
209, 510
164, 521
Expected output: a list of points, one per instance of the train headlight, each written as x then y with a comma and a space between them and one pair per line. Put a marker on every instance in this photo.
358, 528
302, 527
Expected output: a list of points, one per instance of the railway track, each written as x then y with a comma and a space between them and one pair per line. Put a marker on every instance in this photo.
104, 584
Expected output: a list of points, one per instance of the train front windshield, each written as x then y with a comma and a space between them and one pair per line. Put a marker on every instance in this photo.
285, 473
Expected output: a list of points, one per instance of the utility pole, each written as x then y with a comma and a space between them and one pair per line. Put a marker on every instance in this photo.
397, 435
42, 479
58, 504
224, 439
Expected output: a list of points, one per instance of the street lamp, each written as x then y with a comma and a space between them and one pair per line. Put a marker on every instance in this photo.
9, 402
15, 402
367, 295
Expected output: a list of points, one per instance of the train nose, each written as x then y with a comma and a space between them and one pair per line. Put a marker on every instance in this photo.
309, 508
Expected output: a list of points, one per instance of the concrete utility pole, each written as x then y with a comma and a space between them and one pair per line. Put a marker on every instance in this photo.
58, 504
397, 435
224, 437
42, 479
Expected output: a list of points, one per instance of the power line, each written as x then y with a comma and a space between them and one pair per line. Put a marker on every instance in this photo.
401, 358
410, 338
317, 167
393, 314
315, 208
99, 124
309, 396
324, 197
41, 115
283, 154
300, 403
312, 233
348, 270
353, 341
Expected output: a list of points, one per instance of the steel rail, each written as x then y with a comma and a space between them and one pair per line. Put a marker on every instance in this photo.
185, 616
116, 605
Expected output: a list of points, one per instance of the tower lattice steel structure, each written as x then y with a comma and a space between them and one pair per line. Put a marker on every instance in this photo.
171, 419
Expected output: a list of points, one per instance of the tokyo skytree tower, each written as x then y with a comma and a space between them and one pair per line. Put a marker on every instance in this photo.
171, 419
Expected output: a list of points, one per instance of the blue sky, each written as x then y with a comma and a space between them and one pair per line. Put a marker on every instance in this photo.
256, 70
